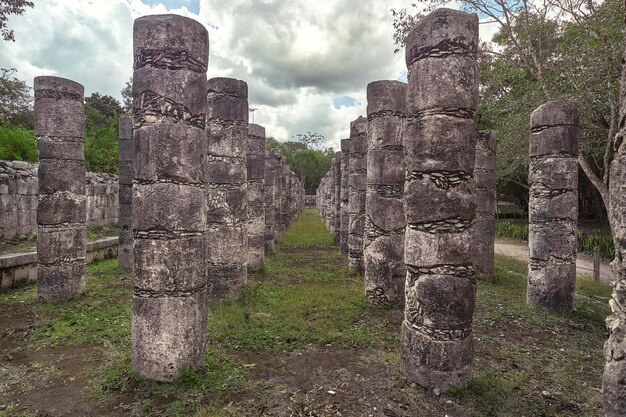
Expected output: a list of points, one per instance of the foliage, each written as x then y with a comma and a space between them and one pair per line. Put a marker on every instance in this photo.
7, 8
586, 242
17, 143
306, 231
16, 101
545, 51
127, 96
310, 165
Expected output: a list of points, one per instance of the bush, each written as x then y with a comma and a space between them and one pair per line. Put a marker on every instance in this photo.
586, 242
17, 143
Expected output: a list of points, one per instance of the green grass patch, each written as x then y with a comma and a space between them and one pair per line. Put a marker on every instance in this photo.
306, 231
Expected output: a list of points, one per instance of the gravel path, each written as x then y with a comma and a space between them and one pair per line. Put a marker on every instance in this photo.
584, 264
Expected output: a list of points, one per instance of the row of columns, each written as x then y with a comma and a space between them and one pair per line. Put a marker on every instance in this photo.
201, 198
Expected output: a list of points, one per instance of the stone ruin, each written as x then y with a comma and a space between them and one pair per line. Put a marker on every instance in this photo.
383, 243
125, 175
61, 209
344, 217
227, 135
439, 142
553, 206
169, 195
486, 203
269, 193
256, 196
357, 167
19, 198
337, 196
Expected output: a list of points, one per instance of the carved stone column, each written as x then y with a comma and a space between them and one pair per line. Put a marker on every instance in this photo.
356, 197
440, 199
125, 195
344, 193
227, 134
486, 203
553, 206
256, 196
61, 210
169, 197
383, 250
270, 200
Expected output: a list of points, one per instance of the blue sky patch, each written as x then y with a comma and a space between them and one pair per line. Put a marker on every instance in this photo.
192, 5
347, 101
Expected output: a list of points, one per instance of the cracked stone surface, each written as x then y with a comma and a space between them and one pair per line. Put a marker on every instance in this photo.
436, 346
383, 246
61, 209
553, 206
169, 195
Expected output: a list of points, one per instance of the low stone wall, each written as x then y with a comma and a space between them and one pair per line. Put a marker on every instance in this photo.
16, 268
309, 201
18, 198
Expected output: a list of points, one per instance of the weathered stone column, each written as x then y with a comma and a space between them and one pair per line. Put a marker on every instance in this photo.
256, 196
614, 378
337, 196
553, 206
330, 197
61, 210
169, 199
125, 196
344, 216
436, 347
269, 190
486, 203
383, 249
227, 134
357, 188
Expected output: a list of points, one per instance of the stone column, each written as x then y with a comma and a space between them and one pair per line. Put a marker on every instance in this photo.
357, 187
486, 203
269, 190
613, 386
256, 196
125, 196
436, 347
61, 210
344, 217
337, 196
553, 206
227, 134
169, 198
383, 249
278, 195
330, 198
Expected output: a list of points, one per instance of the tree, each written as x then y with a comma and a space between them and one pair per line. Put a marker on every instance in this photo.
127, 96
545, 50
16, 101
310, 140
106, 105
7, 8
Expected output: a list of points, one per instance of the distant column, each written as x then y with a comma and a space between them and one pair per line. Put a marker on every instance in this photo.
344, 216
256, 197
227, 134
357, 187
486, 202
169, 199
337, 196
553, 206
125, 195
61, 211
269, 190
383, 251
436, 347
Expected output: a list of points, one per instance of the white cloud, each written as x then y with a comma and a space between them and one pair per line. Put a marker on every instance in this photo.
295, 55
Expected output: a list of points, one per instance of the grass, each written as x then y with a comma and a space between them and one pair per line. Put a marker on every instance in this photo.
305, 299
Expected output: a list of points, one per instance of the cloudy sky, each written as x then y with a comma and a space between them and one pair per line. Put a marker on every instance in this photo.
307, 63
